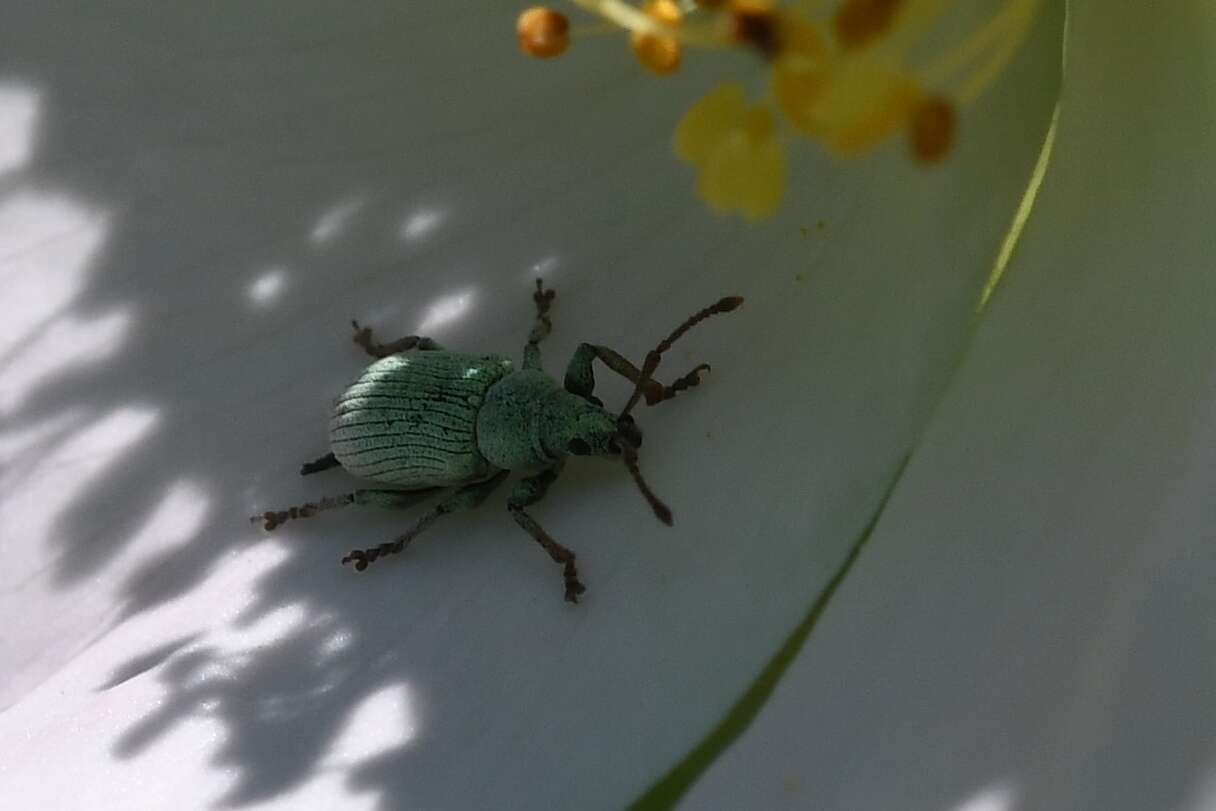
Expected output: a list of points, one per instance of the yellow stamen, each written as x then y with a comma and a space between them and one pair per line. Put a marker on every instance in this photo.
633, 19
1000, 38
596, 29
842, 72
659, 53
800, 72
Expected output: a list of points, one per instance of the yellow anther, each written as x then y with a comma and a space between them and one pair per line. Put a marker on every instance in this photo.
800, 71
858, 105
740, 163
701, 127
858, 22
758, 123
542, 32
658, 52
932, 128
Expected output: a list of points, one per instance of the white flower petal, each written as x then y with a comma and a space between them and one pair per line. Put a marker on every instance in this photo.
196, 660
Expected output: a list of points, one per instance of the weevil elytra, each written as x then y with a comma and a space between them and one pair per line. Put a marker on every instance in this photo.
422, 418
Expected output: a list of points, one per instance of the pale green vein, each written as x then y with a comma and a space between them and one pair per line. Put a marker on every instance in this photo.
1032, 188
671, 787
1022, 214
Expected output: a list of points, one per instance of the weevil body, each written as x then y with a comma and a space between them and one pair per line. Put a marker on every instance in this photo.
422, 418
410, 420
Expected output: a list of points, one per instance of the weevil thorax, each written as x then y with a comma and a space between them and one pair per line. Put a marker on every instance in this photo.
529, 421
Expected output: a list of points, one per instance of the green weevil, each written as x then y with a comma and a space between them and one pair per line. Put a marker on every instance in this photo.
424, 419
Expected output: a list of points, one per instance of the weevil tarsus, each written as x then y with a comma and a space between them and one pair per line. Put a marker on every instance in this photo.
654, 356
363, 337
543, 299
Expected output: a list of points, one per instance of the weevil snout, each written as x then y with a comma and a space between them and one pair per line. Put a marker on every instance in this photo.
627, 434
569, 424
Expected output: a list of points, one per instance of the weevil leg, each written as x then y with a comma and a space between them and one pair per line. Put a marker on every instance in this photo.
526, 493
324, 463
397, 499
363, 337
541, 328
465, 498
580, 377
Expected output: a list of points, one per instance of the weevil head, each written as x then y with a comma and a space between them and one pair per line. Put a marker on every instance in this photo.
570, 424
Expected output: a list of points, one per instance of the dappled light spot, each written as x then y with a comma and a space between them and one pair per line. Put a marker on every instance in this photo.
328, 790
382, 721
997, 797
63, 472
267, 287
146, 661
94, 445
178, 517
19, 107
39, 490
422, 223
543, 268
336, 219
336, 643
446, 310
64, 343
264, 629
46, 244
25, 444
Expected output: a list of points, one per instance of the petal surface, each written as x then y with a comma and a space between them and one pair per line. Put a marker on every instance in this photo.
207, 198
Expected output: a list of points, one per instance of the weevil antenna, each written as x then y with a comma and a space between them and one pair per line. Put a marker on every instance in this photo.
630, 455
723, 305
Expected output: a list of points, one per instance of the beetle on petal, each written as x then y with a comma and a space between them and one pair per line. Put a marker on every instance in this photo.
422, 418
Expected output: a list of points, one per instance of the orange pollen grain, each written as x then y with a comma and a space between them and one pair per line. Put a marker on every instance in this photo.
542, 32
932, 129
659, 53
664, 11
857, 22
